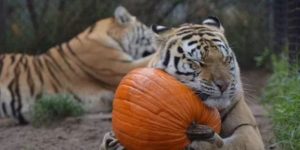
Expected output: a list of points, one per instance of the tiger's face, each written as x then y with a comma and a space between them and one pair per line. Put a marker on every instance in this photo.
135, 38
200, 57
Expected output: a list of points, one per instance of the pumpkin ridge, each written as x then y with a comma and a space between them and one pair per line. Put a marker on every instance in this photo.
176, 125
180, 115
169, 110
151, 131
174, 128
163, 129
171, 81
155, 142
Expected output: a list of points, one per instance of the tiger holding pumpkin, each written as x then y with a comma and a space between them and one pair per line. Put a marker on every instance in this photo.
88, 66
199, 56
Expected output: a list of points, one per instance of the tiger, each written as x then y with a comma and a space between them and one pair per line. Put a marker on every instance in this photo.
199, 56
89, 66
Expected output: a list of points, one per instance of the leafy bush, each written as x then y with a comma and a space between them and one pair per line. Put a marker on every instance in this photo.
35, 26
53, 108
246, 22
283, 94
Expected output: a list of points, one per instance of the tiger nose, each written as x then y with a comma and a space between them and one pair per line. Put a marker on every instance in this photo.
222, 85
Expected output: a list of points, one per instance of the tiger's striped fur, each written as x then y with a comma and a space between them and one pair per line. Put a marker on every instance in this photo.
88, 66
199, 56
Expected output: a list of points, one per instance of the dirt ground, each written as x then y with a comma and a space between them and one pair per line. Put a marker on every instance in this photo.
86, 133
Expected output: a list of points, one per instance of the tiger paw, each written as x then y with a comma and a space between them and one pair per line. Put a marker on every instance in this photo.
198, 132
110, 142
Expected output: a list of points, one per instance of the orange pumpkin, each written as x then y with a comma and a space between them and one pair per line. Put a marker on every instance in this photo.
152, 110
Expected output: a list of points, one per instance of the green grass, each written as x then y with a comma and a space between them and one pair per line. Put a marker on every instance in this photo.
53, 108
283, 94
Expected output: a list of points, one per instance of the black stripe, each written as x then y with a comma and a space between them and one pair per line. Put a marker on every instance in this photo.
29, 79
25, 64
224, 47
37, 69
12, 57
184, 32
1, 63
210, 34
186, 37
63, 56
185, 73
76, 57
55, 65
92, 27
176, 61
200, 34
38, 60
216, 40
76, 97
223, 118
192, 42
193, 50
10, 87
170, 44
17, 65
167, 59
78, 38
4, 109
180, 50
53, 62
52, 74
19, 99
81, 67
12, 102
72, 52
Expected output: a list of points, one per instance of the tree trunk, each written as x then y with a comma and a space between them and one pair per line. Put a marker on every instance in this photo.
294, 32
2, 25
280, 25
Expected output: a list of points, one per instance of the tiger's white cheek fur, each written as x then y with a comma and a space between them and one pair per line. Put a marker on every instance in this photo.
228, 97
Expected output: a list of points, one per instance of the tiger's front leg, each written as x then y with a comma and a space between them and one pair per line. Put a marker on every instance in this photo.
194, 132
244, 138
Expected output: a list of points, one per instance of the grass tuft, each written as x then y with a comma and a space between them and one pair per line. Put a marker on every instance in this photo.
283, 94
53, 108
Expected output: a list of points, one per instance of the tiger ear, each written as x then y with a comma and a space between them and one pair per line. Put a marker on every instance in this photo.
158, 29
122, 16
214, 22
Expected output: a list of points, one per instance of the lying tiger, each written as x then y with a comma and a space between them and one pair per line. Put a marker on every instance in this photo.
199, 56
88, 66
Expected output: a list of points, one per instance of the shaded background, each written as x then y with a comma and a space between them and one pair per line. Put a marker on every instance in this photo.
33, 26
256, 30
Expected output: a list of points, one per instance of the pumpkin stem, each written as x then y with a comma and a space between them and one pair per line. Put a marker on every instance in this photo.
197, 132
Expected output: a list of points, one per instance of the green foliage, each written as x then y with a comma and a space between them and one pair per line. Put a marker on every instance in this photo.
246, 28
53, 108
264, 59
282, 93
47, 23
